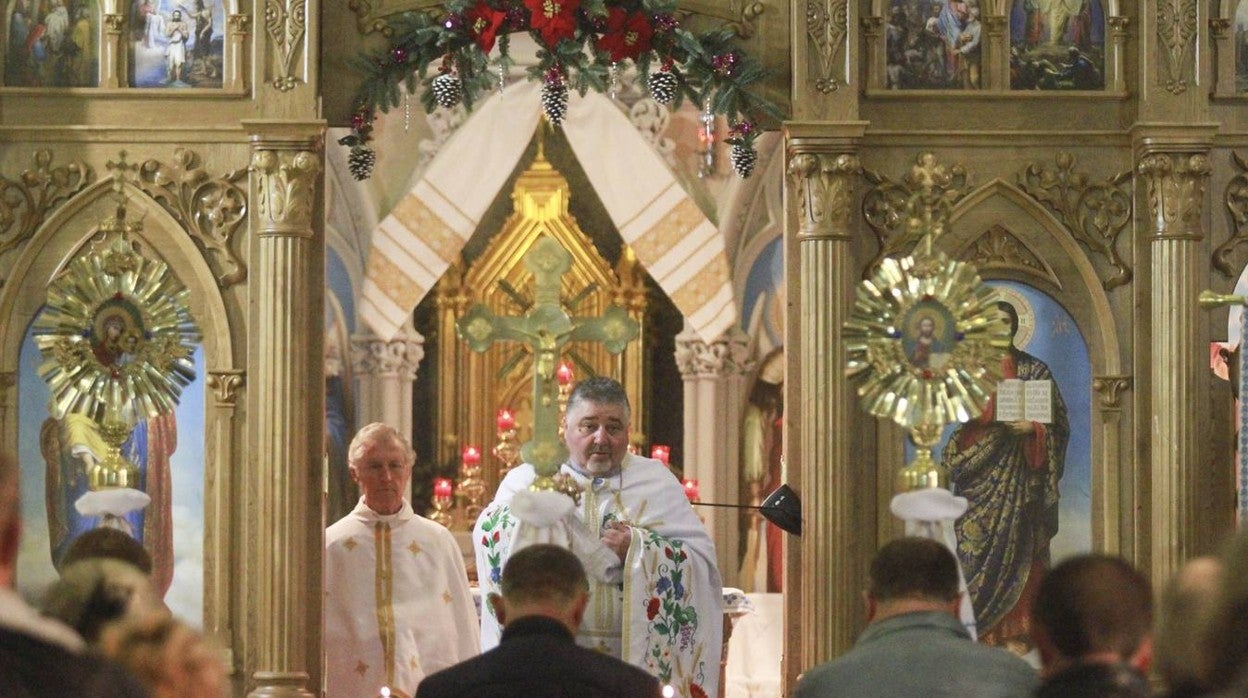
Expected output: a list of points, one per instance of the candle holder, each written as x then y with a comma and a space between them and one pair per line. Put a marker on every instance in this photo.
471, 486
442, 501
507, 451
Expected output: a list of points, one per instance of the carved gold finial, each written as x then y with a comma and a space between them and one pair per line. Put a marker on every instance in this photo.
1212, 299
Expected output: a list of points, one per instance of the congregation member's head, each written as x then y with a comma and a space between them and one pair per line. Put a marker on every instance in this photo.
596, 427
93, 593
1093, 609
1226, 635
912, 574
167, 656
543, 580
380, 461
1183, 615
108, 543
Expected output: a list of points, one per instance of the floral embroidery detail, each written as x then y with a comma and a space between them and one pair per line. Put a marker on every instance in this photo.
498, 519
673, 618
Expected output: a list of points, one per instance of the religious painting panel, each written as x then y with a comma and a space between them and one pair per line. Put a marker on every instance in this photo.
1241, 47
1057, 45
342, 493
55, 456
934, 44
1028, 482
52, 43
176, 45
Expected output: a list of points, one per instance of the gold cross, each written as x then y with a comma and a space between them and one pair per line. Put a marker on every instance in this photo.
546, 328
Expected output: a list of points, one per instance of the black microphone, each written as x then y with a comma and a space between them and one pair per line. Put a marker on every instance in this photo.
782, 507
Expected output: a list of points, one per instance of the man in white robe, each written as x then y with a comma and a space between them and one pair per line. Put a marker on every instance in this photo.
655, 590
397, 605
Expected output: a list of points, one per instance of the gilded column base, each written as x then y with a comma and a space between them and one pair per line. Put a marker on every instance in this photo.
280, 684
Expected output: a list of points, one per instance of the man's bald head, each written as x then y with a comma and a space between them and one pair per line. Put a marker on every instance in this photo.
1182, 619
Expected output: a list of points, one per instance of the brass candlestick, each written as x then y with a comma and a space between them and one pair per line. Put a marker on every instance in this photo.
507, 451
471, 486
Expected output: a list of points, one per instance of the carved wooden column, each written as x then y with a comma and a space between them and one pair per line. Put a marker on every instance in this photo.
236, 50
1107, 520
823, 575
223, 432
876, 51
714, 384
385, 371
8, 403
112, 67
1115, 65
1174, 172
995, 53
286, 407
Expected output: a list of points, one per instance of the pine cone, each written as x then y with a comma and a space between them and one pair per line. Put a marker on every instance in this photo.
743, 159
662, 86
448, 89
555, 100
360, 162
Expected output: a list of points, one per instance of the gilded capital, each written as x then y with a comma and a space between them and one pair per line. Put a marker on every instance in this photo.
1176, 192
729, 355
1220, 27
225, 384
114, 23
873, 26
400, 356
825, 193
1109, 390
1118, 26
284, 187
995, 24
239, 24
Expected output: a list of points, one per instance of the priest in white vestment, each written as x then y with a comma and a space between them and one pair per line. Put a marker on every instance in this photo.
397, 604
655, 590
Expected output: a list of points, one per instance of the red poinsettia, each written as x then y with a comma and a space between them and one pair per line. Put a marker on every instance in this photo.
483, 23
627, 35
553, 20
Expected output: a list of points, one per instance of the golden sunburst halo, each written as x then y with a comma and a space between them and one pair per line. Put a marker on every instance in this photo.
116, 334
927, 338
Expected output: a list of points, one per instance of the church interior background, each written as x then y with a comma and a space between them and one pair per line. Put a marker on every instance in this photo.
1092, 156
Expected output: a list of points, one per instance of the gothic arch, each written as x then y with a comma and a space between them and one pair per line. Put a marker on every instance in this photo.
71, 227
57, 241
1075, 282
1078, 288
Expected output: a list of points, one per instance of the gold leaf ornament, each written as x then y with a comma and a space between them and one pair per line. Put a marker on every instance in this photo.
116, 333
926, 337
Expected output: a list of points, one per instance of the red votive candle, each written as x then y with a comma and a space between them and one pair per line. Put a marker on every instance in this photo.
472, 455
442, 487
691, 489
563, 374
506, 420
660, 452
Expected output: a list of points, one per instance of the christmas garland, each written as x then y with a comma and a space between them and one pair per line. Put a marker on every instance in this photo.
581, 44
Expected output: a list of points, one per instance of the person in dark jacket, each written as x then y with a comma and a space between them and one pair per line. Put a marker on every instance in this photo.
1092, 622
544, 596
38, 656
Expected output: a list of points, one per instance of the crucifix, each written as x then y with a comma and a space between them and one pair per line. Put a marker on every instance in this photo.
545, 329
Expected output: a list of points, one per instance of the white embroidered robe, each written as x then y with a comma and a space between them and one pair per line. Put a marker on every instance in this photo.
397, 604
662, 609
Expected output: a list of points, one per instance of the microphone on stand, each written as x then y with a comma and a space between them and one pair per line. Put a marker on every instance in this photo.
782, 507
